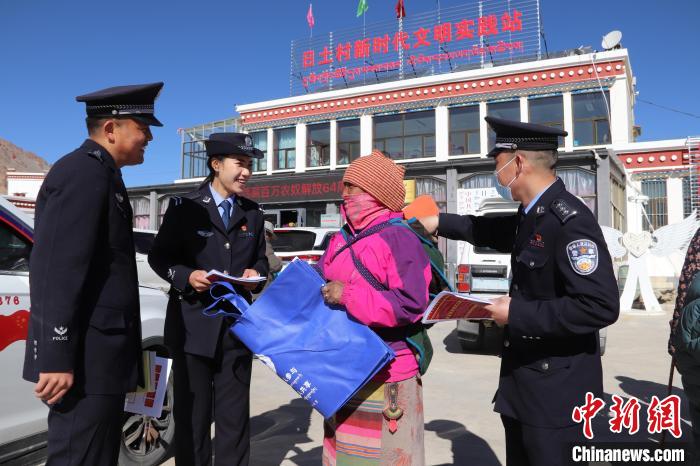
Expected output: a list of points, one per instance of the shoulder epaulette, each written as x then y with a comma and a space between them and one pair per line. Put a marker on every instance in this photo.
562, 210
97, 153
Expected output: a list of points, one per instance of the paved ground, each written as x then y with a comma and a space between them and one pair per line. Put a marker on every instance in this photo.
461, 427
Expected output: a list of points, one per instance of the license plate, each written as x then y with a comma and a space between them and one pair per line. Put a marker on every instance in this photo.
489, 284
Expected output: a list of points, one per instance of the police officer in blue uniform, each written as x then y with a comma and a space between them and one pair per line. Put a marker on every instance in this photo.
84, 343
563, 291
214, 227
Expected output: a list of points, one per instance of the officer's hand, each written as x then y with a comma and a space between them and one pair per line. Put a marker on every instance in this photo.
53, 385
332, 292
430, 223
499, 310
250, 273
198, 281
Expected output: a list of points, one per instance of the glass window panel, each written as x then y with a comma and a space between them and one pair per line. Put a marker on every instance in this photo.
583, 133
318, 145
420, 123
260, 142
474, 143
388, 126
413, 147
509, 110
655, 208
394, 148
547, 110
285, 144
348, 141
464, 130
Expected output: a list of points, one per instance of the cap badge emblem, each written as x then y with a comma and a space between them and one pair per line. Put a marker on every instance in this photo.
248, 141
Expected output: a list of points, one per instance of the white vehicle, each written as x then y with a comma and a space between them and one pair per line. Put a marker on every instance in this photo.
485, 271
306, 243
23, 425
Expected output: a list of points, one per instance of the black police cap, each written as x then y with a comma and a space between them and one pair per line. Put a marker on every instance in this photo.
513, 135
133, 101
232, 144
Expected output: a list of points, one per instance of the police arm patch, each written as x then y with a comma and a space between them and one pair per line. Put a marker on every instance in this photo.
583, 256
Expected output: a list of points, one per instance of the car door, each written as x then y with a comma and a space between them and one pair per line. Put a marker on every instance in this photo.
23, 415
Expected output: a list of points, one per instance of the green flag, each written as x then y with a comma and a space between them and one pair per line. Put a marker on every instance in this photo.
362, 7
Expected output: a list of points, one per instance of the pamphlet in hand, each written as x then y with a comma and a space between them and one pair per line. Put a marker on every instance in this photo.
216, 276
453, 306
151, 403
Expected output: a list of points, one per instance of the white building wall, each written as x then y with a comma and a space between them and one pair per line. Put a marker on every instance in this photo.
620, 111
300, 164
366, 134
28, 188
442, 133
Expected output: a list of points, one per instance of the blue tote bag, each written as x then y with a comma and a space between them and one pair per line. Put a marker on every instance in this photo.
320, 351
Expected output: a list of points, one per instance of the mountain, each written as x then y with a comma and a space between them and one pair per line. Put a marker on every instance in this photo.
21, 160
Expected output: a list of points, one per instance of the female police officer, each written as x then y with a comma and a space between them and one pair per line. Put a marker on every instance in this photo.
211, 228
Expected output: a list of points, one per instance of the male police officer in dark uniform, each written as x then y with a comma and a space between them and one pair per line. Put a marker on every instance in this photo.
562, 292
211, 228
84, 342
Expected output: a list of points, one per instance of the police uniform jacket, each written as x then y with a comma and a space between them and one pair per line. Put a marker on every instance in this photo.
192, 237
83, 284
563, 291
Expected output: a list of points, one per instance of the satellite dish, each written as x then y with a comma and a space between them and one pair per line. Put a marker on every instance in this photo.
611, 40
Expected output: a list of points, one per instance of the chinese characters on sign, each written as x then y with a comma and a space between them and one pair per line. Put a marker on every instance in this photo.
661, 415
455, 37
317, 188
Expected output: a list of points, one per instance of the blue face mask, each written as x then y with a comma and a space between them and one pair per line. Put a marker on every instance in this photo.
504, 190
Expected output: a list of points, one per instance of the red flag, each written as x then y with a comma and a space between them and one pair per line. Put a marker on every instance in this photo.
310, 17
400, 10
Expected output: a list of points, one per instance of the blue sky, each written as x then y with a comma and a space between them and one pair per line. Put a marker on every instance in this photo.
213, 55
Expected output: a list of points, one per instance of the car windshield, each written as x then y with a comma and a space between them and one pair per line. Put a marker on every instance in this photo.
293, 240
143, 242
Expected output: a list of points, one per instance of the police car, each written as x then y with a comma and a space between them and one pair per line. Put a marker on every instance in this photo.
145, 440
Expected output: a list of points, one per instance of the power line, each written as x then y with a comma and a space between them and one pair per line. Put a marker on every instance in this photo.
669, 108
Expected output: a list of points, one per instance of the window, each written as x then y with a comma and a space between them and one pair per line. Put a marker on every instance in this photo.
655, 208
464, 130
260, 142
194, 163
14, 250
591, 124
407, 135
285, 148
687, 201
348, 141
581, 183
318, 145
509, 110
548, 111
142, 212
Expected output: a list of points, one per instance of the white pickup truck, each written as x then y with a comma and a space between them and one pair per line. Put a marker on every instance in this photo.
145, 440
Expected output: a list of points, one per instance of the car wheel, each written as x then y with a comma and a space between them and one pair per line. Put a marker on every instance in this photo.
148, 440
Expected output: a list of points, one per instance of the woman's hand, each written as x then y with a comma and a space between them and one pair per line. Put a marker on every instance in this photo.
198, 281
332, 292
250, 273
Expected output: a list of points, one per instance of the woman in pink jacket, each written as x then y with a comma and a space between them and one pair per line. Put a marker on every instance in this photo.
382, 280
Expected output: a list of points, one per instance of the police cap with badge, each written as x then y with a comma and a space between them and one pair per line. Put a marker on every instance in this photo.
225, 144
134, 101
515, 135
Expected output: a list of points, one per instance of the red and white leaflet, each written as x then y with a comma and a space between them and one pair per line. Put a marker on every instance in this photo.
454, 306
151, 403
